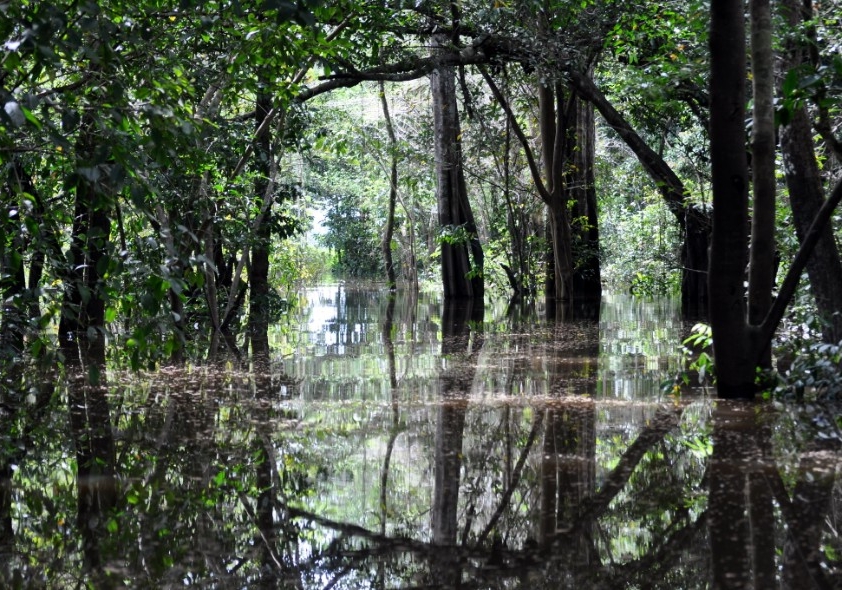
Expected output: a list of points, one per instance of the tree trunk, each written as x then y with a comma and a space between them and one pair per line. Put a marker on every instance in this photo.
555, 128
586, 280
83, 307
693, 222
562, 176
389, 229
735, 364
761, 278
259, 270
461, 252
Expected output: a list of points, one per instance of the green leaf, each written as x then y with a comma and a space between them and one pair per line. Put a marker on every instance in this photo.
30, 117
790, 83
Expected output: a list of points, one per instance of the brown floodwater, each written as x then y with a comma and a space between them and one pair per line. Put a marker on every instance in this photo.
398, 443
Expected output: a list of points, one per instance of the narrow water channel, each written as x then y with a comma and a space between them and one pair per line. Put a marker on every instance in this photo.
399, 443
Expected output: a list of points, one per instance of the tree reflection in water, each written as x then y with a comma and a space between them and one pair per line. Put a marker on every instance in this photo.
745, 488
385, 443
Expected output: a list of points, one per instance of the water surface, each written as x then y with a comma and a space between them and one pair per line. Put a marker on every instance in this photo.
398, 443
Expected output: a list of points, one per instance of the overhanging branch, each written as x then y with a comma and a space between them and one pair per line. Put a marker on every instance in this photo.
766, 330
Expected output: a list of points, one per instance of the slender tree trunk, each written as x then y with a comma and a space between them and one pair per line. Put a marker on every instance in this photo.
461, 258
555, 126
12, 275
388, 231
259, 270
761, 279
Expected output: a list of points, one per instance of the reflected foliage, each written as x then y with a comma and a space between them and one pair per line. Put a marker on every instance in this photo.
388, 442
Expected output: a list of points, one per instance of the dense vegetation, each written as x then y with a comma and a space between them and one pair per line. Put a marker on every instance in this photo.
161, 164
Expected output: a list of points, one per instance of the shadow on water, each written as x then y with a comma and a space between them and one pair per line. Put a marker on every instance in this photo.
379, 441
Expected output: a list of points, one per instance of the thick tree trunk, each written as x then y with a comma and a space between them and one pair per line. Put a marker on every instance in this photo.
462, 257
587, 279
733, 353
82, 321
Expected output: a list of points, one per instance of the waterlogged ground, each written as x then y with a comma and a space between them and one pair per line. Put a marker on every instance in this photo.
406, 445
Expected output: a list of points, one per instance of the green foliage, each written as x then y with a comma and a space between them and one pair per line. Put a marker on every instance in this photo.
348, 182
144, 105
807, 368
639, 239
351, 235
698, 349
814, 373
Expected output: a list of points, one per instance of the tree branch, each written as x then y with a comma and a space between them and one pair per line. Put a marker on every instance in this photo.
668, 183
524, 142
766, 330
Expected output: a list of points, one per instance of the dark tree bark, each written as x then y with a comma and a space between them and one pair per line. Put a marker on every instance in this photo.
461, 258
587, 276
556, 122
733, 352
259, 270
565, 175
83, 307
739, 344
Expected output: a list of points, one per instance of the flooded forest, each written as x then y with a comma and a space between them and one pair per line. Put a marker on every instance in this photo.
438, 294
394, 442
